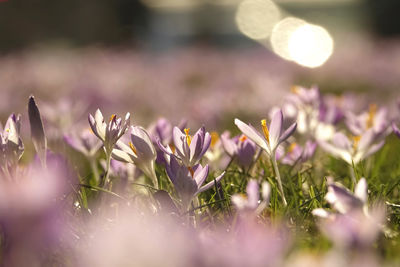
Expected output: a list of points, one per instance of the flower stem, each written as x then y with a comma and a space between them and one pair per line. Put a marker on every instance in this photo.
278, 178
95, 170
106, 175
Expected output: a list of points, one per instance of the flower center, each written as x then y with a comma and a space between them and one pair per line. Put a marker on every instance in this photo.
243, 138
292, 147
214, 138
371, 115
133, 148
112, 117
191, 171
265, 129
188, 137
294, 89
356, 141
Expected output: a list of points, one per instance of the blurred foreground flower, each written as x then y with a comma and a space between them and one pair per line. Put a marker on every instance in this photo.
252, 203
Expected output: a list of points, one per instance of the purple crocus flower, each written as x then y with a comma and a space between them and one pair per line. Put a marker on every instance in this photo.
162, 130
140, 152
11, 146
375, 119
297, 153
352, 224
84, 142
270, 140
239, 146
272, 136
355, 149
188, 149
110, 132
188, 181
252, 202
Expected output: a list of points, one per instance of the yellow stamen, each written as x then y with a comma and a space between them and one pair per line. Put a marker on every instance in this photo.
188, 137
292, 147
172, 147
112, 117
265, 129
191, 171
242, 138
8, 130
294, 89
356, 141
133, 148
214, 138
371, 115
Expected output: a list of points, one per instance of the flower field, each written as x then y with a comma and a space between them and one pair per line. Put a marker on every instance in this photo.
199, 158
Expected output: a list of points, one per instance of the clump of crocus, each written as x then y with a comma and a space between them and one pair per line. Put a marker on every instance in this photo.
140, 152
270, 139
109, 133
240, 147
188, 149
11, 146
188, 182
352, 224
251, 204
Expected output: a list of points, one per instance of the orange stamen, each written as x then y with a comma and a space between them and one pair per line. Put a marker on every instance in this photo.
371, 115
265, 129
243, 138
133, 148
214, 138
188, 137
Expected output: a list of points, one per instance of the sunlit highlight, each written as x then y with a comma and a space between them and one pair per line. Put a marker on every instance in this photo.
172, 4
310, 45
281, 34
256, 18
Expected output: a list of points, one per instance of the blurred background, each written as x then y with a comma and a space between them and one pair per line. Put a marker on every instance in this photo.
205, 60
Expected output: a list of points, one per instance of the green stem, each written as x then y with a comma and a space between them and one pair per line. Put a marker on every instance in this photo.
95, 170
278, 178
106, 176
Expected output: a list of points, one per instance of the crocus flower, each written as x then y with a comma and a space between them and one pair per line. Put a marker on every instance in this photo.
188, 182
297, 153
239, 146
270, 140
140, 152
189, 149
353, 150
375, 119
272, 136
109, 133
11, 146
84, 142
352, 224
252, 202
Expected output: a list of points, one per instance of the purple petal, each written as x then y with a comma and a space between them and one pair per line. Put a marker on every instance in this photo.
252, 134
289, 131
275, 129
210, 184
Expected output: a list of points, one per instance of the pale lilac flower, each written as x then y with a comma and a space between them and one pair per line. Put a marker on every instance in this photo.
296, 153
109, 133
375, 119
188, 149
11, 146
270, 140
84, 142
188, 182
140, 152
352, 224
252, 203
272, 136
353, 150
241, 147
